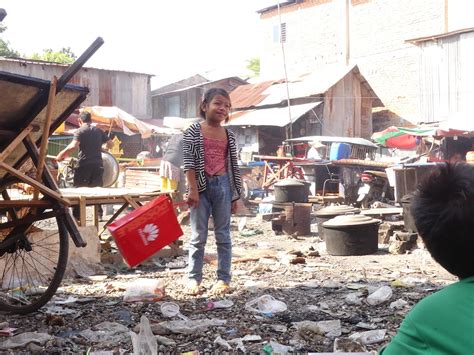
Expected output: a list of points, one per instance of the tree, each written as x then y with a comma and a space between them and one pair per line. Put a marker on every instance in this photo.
253, 65
64, 56
5, 49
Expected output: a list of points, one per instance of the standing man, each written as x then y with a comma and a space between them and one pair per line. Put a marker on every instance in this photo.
89, 169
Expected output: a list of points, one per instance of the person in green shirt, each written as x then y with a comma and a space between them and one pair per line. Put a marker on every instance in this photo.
443, 210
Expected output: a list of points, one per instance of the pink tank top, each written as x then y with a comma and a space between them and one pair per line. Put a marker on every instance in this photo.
215, 154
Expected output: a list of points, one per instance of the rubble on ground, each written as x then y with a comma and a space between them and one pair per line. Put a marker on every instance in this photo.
331, 303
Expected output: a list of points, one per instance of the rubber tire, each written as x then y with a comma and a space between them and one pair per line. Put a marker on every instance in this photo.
55, 280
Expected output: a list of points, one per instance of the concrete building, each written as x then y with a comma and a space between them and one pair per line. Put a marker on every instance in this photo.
370, 33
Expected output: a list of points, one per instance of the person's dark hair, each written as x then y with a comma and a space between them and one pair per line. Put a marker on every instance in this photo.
85, 116
443, 210
207, 98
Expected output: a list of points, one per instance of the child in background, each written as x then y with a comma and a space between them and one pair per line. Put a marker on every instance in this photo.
214, 186
443, 323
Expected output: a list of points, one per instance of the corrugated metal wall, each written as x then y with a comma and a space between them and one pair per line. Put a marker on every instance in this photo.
129, 91
446, 86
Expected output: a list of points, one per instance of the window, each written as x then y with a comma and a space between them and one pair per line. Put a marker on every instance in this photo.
279, 33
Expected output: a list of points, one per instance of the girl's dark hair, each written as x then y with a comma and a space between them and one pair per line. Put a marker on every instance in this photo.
443, 210
207, 98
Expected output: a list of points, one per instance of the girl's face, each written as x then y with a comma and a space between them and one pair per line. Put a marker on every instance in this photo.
217, 110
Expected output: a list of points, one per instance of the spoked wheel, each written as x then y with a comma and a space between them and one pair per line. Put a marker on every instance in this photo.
33, 251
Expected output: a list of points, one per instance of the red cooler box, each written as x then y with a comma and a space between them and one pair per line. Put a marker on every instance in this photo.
144, 231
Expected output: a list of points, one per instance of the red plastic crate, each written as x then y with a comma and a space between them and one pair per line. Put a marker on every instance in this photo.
146, 230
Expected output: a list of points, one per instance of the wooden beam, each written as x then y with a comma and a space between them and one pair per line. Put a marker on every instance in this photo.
131, 201
45, 190
15, 142
46, 128
25, 203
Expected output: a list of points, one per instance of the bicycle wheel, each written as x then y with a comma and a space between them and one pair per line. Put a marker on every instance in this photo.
31, 268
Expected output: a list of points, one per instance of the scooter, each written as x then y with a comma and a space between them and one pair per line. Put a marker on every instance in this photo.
375, 187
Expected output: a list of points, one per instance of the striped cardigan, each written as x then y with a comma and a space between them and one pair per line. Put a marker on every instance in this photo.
193, 151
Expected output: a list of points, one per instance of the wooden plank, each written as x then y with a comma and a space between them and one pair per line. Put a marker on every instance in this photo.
15, 142
131, 201
25, 203
82, 211
46, 128
45, 190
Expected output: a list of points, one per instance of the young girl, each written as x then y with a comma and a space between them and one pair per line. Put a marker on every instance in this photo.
214, 186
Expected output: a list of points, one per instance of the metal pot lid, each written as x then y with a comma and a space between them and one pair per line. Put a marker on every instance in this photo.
337, 210
350, 220
289, 182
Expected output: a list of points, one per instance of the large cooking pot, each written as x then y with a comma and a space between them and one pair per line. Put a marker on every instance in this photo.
111, 169
291, 190
351, 235
327, 213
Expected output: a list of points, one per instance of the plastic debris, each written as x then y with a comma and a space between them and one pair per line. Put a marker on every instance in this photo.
370, 336
398, 304
381, 295
219, 304
328, 328
7, 332
144, 343
222, 342
23, 339
191, 326
266, 304
273, 348
106, 332
171, 309
145, 290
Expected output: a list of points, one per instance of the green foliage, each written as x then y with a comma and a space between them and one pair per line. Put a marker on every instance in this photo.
64, 56
5, 49
253, 65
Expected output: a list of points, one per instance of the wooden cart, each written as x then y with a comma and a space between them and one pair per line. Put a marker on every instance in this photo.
34, 218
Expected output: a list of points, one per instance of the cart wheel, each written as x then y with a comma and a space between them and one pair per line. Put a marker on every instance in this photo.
32, 268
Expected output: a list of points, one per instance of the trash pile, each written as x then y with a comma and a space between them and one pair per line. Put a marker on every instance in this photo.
288, 295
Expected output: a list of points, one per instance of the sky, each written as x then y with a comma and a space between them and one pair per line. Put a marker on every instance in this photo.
170, 39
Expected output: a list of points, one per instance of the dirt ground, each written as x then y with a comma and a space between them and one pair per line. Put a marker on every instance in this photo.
89, 314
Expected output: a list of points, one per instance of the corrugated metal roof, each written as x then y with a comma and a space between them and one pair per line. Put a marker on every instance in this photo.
438, 36
43, 62
201, 84
250, 95
275, 116
310, 85
330, 139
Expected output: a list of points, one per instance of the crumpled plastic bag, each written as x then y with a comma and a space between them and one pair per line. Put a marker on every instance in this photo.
145, 290
144, 343
24, 339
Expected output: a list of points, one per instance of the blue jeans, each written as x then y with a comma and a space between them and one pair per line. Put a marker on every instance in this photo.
215, 200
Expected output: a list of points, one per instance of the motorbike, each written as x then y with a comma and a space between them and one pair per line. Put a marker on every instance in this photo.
375, 187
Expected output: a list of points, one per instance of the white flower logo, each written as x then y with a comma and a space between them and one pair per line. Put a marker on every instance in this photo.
149, 233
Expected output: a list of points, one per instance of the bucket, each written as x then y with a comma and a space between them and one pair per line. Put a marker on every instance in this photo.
339, 151
351, 235
146, 230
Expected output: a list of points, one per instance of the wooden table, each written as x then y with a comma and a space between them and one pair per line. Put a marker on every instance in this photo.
127, 197
94, 196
